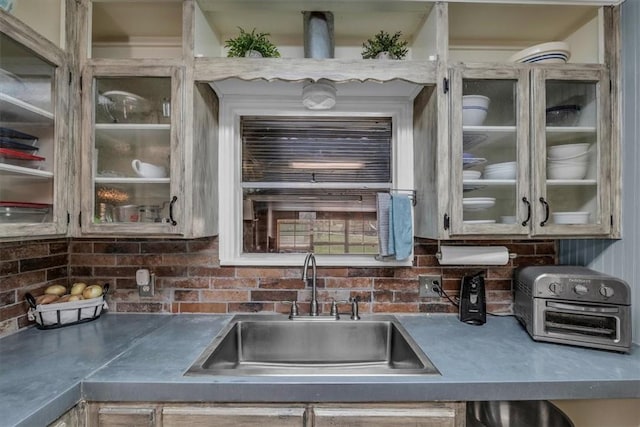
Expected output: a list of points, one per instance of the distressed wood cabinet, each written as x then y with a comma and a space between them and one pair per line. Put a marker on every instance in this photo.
528, 186
34, 137
427, 414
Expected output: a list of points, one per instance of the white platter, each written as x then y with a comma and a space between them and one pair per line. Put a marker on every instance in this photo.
477, 203
479, 221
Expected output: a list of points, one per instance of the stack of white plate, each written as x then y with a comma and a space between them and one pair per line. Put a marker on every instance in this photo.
568, 161
477, 203
471, 174
506, 170
544, 53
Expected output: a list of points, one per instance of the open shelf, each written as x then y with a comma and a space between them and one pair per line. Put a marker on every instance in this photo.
483, 32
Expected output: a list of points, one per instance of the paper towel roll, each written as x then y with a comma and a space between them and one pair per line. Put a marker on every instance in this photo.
473, 255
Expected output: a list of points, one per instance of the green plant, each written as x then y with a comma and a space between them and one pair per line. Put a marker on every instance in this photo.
385, 42
245, 42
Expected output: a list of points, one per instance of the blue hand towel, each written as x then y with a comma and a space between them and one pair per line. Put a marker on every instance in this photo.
400, 227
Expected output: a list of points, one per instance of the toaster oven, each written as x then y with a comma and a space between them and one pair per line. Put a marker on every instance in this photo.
574, 305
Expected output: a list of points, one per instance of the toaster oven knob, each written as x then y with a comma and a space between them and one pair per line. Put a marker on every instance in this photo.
580, 289
555, 287
606, 291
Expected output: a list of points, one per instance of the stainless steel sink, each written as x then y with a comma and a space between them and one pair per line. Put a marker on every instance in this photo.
275, 345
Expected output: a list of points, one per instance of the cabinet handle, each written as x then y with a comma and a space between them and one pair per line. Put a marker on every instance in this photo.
546, 212
526, 202
171, 220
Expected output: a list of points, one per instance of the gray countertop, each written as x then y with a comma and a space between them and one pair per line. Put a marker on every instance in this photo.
138, 357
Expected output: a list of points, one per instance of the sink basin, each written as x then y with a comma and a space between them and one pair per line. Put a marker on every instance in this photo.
276, 345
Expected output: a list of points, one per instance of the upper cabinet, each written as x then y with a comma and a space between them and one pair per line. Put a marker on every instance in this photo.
530, 151
33, 133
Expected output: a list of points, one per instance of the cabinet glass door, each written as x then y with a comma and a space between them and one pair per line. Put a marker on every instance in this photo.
29, 151
489, 146
131, 155
572, 152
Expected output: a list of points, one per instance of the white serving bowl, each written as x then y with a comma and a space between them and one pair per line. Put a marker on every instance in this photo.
471, 174
500, 174
567, 151
566, 169
506, 170
473, 116
476, 101
580, 217
544, 53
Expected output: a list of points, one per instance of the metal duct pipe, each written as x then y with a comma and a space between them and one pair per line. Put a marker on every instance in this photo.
318, 35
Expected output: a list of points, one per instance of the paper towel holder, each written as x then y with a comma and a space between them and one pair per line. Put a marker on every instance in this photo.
512, 255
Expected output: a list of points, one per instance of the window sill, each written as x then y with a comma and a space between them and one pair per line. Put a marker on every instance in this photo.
296, 260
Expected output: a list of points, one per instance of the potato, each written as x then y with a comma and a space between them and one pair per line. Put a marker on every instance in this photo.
75, 298
58, 290
77, 288
47, 299
93, 291
64, 298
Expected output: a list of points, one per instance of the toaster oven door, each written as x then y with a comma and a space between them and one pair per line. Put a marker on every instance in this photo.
590, 325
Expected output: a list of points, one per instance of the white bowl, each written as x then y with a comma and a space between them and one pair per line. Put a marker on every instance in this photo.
501, 174
551, 52
580, 217
506, 170
566, 170
471, 174
476, 101
567, 151
473, 116
503, 165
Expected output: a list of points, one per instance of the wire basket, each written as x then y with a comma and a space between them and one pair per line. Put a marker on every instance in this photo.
57, 315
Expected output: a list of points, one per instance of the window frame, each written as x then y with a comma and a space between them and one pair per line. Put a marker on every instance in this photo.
233, 107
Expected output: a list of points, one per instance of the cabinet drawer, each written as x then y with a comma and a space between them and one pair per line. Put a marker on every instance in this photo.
233, 417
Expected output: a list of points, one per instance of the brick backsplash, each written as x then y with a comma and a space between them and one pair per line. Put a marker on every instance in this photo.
189, 278
28, 267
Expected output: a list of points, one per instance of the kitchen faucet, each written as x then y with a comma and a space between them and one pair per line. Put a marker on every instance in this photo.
313, 311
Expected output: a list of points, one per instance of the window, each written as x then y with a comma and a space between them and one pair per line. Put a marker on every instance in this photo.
294, 180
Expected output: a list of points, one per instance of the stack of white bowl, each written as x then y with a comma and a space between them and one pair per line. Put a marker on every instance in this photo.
544, 53
474, 109
568, 161
506, 170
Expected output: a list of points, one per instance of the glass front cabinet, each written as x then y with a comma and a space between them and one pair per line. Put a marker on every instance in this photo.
34, 142
131, 156
530, 151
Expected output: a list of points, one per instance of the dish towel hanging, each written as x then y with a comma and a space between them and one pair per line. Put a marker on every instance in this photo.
395, 226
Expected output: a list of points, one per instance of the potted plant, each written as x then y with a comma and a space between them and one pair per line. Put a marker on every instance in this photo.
251, 45
385, 45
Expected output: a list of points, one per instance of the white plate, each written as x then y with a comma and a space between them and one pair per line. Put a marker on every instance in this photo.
477, 203
480, 221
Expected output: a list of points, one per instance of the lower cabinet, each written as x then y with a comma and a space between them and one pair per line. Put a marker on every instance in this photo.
74, 417
450, 414
382, 415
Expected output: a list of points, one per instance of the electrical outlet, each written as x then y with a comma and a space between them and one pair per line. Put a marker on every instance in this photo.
146, 282
430, 285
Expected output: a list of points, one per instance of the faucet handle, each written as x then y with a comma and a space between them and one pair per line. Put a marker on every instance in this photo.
334, 307
294, 308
